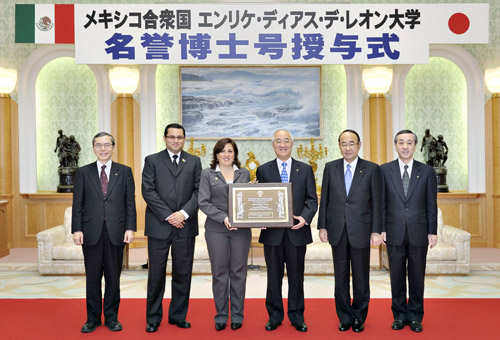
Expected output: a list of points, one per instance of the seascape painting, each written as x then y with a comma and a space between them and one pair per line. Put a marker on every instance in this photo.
250, 102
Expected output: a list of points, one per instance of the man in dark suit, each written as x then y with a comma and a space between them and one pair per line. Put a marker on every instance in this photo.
409, 223
288, 245
103, 220
170, 181
350, 218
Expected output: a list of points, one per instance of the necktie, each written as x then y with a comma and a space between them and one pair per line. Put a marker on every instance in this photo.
174, 162
406, 180
348, 179
104, 180
284, 174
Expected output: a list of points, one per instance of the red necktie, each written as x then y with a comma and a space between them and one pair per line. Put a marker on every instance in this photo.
104, 180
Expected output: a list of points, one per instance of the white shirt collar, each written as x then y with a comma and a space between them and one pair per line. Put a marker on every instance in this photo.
235, 168
402, 166
288, 163
107, 169
171, 154
353, 164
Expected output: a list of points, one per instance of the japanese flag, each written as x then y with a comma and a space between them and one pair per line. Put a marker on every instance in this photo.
459, 23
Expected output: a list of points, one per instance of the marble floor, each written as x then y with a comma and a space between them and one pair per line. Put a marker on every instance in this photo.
19, 278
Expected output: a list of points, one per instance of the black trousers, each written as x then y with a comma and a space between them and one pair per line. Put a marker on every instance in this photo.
182, 268
276, 258
103, 258
410, 259
345, 259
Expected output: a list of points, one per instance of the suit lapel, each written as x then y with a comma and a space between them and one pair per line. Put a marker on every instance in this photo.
182, 162
237, 174
396, 180
414, 179
275, 172
113, 177
339, 175
294, 171
359, 172
94, 178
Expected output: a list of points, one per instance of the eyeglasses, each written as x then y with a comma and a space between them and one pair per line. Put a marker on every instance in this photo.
105, 145
345, 145
179, 138
282, 141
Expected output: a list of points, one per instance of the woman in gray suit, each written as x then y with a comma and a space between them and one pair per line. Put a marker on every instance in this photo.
227, 246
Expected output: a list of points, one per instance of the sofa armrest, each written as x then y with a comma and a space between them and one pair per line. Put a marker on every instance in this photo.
452, 235
54, 235
458, 238
47, 239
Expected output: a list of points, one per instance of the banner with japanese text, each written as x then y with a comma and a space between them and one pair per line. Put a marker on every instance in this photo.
259, 34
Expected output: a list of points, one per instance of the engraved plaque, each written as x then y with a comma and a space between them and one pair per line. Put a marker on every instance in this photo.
260, 205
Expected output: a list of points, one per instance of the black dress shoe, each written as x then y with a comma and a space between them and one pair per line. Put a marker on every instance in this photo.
220, 326
358, 326
180, 323
271, 326
236, 325
344, 326
416, 326
90, 326
300, 326
152, 327
398, 324
114, 326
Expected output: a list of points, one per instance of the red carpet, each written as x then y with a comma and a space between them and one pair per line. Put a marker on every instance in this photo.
62, 319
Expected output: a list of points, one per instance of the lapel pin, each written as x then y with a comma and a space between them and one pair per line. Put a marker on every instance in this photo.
184, 160
297, 170
116, 174
216, 178
360, 171
418, 176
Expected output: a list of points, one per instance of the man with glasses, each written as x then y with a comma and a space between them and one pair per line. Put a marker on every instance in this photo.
170, 181
350, 219
288, 245
103, 220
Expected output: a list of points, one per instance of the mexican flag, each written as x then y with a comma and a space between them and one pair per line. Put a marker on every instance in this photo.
45, 24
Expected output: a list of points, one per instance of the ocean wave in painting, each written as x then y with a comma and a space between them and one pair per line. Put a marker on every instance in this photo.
250, 102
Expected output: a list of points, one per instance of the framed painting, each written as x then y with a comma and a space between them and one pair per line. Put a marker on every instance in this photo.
250, 102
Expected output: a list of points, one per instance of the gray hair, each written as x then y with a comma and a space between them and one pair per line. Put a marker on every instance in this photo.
402, 132
102, 134
282, 130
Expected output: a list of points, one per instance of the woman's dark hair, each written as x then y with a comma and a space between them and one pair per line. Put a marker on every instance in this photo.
219, 146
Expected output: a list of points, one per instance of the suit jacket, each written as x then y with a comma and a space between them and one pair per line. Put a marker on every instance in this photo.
417, 212
213, 196
360, 211
91, 207
167, 190
305, 201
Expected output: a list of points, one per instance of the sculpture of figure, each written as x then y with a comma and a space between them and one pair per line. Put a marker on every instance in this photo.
441, 152
61, 142
68, 150
427, 142
74, 152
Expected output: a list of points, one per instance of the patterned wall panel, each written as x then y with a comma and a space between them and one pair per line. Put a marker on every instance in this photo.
66, 98
436, 98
